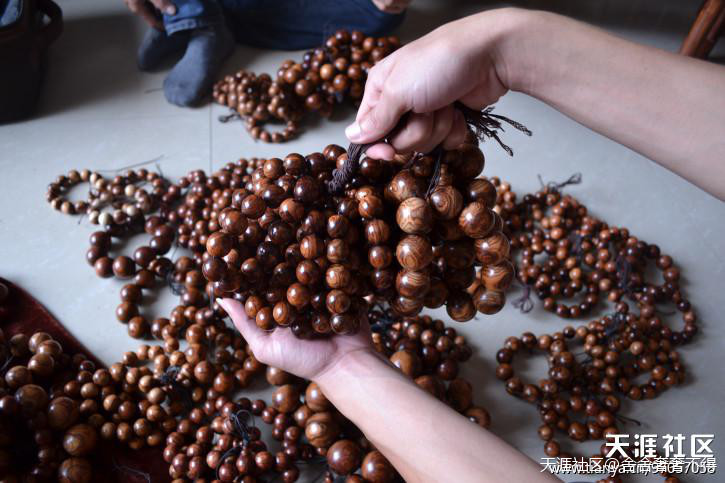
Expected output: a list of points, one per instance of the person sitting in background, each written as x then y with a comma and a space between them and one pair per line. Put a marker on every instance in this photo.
207, 30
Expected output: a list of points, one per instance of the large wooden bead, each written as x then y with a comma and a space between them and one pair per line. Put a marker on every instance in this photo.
492, 249
80, 440
460, 306
437, 294
476, 220
315, 399
322, 429
286, 399
413, 284
218, 244
403, 186
408, 363
338, 277
31, 398
312, 247
233, 221
75, 470
337, 301
489, 301
479, 416
498, 277
62, 413
446, 202
414, 252
375, 468
344, 457
406, 306
298, 295
482, 190
308, 272
291, 211
469, 161
460, 394
414, 216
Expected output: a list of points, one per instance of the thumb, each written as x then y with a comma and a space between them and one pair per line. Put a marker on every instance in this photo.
376, 122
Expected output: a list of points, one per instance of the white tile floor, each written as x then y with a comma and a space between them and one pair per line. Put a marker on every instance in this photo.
99, 112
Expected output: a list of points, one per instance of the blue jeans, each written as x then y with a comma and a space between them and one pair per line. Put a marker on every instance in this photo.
282, 24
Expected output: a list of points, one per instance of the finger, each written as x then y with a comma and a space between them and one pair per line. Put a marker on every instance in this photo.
442, 122
248, 328
382, 106
165, 6
414, 133
458, 131
381, 151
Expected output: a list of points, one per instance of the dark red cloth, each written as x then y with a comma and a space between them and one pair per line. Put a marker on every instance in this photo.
114, 461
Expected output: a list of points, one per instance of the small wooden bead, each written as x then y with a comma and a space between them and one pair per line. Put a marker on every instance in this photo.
377, 232
337, 301
483, 190
460, 394
75, 470
407, 362
219, 244
298, 295
315, 399
460, 306
80, 440
337, 277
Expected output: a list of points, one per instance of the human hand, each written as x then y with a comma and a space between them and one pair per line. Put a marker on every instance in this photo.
391, 6
144, 9
459, 61
309, 359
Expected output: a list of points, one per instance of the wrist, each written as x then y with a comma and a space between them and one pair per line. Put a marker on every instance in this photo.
518, 46
354, 364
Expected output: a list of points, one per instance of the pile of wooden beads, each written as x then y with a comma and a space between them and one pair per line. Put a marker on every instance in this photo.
216, 436
117, 202
267, 232
564, 252
326, 76
581, 397
49, 414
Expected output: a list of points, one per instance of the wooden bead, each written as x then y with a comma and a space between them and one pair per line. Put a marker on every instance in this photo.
338, 277
437, 294
489, 302
479, 416
469, 161
377, 232
298, 295
408, 363
312, 247
460, 307
80, 440
406, 305
344, 324
380, 256
413, 284
337, 301
476, 220
321, 429
264, 319
75, 470
370, 206
41, 365
414, 252
446, 202
375, 468
498, 277
482, 190
404, 185
283, 313
62, 413
460, 394
124, 267
492, 249
308, 272
286, 398
31, 398
233, 222
338, 251
219, 244
315, 399
253, 206
344, 457
414, 216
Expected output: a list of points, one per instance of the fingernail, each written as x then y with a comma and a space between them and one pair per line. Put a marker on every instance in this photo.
221, 303
353, 132
170, 10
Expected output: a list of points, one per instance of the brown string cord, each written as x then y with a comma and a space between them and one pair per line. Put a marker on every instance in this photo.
524, 303
575, 178
484, 125
132, 471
